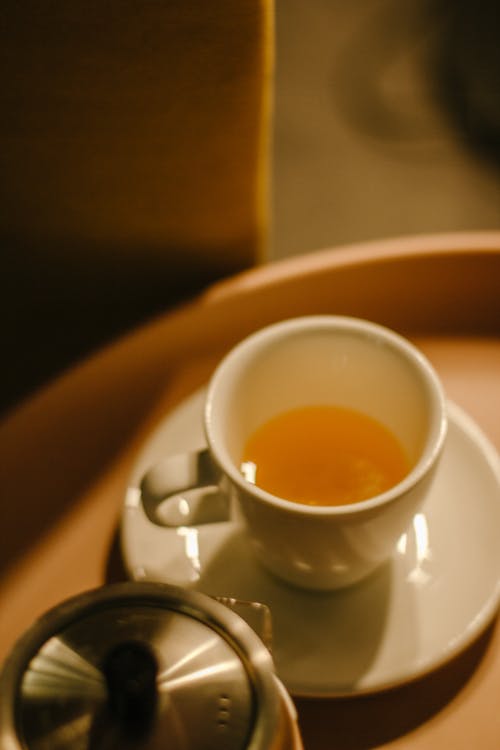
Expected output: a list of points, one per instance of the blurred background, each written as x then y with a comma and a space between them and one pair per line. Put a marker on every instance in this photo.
387, 120
149, 149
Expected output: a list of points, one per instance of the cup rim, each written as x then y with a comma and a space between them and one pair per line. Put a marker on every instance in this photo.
433, 445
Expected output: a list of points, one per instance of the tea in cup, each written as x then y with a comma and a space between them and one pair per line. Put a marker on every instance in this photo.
326, 432
324, 455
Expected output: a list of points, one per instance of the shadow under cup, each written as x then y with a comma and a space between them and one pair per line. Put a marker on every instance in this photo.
327, 361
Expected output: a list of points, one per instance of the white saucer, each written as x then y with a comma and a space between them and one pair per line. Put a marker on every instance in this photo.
437, 594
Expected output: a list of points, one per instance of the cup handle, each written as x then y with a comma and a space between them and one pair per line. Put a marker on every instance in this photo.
184, 490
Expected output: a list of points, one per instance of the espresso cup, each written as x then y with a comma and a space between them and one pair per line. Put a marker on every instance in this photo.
313, 361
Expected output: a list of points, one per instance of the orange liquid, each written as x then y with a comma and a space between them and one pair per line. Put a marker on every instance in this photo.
325, 455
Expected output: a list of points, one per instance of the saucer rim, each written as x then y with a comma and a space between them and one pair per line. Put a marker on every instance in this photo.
482, 619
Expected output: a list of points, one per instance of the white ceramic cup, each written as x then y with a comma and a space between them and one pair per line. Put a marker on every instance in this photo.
313, 360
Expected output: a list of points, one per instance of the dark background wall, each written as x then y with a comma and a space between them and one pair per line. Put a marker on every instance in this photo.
130, 167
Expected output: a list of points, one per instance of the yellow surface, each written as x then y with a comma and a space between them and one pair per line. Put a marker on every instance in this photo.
132, 127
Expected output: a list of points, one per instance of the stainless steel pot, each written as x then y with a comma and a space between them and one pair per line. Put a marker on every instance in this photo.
143, 665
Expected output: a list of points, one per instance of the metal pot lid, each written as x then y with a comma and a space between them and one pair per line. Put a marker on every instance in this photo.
138, 666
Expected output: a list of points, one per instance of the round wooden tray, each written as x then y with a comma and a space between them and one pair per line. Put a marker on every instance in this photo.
67, 453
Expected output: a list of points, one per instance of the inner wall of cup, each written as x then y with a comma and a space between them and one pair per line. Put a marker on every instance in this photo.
339, 368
